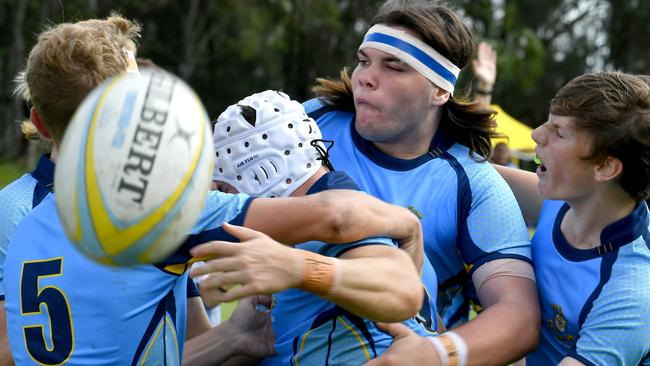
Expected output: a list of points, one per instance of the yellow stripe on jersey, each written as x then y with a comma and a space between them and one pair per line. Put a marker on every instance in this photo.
302, 344
356, 334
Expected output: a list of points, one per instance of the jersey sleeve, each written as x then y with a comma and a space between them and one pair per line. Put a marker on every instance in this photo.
491, 226
15, 203
616, 331
337, 250
192, 288
219, 208
312, 105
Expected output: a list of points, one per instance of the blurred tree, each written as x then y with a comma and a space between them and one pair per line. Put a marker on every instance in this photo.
541, 45
627, 26
227, 49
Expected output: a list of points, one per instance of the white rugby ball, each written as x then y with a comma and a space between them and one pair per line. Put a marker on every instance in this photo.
134, 168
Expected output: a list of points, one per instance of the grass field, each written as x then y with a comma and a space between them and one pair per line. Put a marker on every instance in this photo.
9, 171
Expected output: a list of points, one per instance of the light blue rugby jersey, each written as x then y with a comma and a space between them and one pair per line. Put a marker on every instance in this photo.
63, 307
312, 331
469, 214
17, 199
595, 302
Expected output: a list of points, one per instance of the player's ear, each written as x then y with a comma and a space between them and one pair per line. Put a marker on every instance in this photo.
439, 96
38, 122
608, 170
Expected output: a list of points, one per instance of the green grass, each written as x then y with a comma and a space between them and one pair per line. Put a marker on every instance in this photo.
226, 309
9, 171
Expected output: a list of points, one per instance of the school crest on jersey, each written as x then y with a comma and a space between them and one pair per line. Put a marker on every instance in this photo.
558, 324
415, 212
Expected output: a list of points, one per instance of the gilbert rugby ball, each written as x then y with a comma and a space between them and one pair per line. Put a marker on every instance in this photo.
134, 168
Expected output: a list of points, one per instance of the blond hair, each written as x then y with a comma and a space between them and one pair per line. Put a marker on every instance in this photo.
67, 62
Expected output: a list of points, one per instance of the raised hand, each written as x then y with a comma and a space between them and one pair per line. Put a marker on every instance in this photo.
485, 66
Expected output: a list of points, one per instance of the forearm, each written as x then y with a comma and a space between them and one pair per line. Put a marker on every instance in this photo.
524, 186
335, 216
379, 288
483, 98
5, 351
212, 347
241, 361
197, 319
511, 318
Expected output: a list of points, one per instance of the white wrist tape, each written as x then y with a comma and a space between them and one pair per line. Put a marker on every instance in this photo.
440, 349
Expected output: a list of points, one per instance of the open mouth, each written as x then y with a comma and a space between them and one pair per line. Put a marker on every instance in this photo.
539, 162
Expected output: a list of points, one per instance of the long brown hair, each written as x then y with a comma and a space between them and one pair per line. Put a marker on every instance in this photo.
469, 123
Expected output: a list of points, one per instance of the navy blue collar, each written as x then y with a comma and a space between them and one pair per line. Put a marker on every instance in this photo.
44, 172
333, 180
440, 143
615, 235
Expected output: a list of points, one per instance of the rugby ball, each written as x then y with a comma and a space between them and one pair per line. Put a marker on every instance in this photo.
134, 168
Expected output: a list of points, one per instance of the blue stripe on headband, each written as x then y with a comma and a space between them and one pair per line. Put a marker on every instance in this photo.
413, 51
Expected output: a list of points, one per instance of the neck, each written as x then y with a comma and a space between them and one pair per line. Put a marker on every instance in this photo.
414, 143
54, 153
304, 188
587, 218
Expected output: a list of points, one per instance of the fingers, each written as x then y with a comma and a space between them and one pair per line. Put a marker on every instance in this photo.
265, 300
261, 303
218, 281
217, 296
486, 51
383, 360
397, 330
213, 249
241, 233
221, 264
373, 362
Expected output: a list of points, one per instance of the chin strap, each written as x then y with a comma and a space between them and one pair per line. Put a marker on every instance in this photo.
324, 152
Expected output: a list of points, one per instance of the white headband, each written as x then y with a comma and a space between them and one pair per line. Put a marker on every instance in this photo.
414, 52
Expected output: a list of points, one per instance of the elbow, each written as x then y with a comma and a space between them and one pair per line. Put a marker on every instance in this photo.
406, 303
532, 331
534, 324
337, 218
528, 331
412, 301
408, 292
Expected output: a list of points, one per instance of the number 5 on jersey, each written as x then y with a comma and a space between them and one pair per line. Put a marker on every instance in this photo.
58, 348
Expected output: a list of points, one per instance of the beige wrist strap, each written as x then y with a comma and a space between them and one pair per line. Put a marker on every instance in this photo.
318, 273
456, 347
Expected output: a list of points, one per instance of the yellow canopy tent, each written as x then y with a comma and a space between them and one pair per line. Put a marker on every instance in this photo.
518, 133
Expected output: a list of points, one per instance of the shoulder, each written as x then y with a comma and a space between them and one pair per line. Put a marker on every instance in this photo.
620, 315
15, 203
479, 176
43, 213
333, 180
17, 191
626, 293
220, 207
325, 114
312, 105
